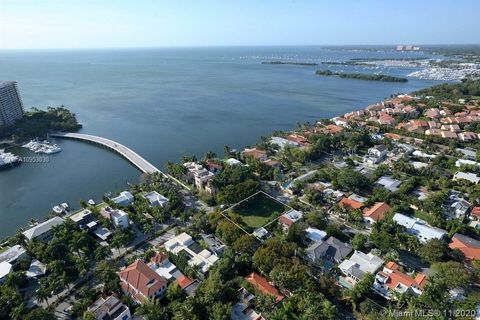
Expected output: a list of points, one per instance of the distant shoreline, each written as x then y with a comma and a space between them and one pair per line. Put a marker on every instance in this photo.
291, 63
361, 76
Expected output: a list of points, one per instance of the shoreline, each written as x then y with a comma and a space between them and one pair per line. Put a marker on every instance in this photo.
46, 215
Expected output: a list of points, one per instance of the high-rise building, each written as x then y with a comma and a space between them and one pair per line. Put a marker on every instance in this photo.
11, 106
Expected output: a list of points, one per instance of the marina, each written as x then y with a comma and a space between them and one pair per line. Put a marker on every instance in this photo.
44, 147
8, 159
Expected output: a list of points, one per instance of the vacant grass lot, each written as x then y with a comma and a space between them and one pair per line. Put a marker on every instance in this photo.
259, 210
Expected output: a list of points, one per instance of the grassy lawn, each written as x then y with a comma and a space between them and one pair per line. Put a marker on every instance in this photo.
259, 210
424, 216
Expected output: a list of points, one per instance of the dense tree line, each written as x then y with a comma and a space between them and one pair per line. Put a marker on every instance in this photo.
37, 123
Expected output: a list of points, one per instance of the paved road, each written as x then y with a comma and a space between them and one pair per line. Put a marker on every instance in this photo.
142, 164
138, 161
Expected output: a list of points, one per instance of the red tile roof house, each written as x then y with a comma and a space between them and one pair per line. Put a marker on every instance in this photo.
391, 279
449, 135
141, 282
212, 166
451, 127
475, 213
289, 218
432, 113
334, 129
467, 136
347, 203
183, 281
255, 153
468, 246
376, 212
419, 123
393, 136
261, 284
298, 138
386, 120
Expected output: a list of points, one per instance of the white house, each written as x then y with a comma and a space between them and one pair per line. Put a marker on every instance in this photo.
389, 183
110, 308
376, 154
282, 142
472, 177
464, 162
289, 218
420, 154
120, 219
13, 254
125, 198
314, 234
200, 176
162, 265
43, 231
359, 264
233, 162
419, 228
156, 199
199, 257
5, 269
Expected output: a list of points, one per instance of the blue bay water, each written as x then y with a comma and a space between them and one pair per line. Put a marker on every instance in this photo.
165, 103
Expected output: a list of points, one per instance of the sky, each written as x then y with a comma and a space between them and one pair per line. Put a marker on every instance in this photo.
38, 24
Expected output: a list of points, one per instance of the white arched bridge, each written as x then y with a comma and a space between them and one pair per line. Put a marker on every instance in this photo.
139, 162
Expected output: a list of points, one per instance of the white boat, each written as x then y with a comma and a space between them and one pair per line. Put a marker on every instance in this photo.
8, 159
91, 202
61, 208
64, 206
53, 149
42, 147
57, 209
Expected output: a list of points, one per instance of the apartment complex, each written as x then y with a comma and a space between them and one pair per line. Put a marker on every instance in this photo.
11, 106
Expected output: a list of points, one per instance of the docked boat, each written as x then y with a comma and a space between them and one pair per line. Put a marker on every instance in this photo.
52, 149
8, 159
62, 208
91, 202
65, 206
57, 209
42, 147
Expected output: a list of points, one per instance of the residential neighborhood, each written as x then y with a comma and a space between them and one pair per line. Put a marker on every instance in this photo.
345, 218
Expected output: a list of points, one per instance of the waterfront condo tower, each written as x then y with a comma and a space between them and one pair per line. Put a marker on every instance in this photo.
11, 106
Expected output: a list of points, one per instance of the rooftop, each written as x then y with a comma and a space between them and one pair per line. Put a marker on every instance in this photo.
377, 211
12, 253
43, 227
261, 284
143, 279
468, 246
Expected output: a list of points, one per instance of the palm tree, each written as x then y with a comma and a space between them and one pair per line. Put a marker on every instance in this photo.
148, 229
286, 312
329, 309
82, 266
227, 150
185, 311
209, 155
19, 238
101, 253
77, 242
13, 280
18, 312
151, 310
43, 294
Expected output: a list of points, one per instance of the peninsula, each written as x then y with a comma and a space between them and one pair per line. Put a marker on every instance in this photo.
361, 76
